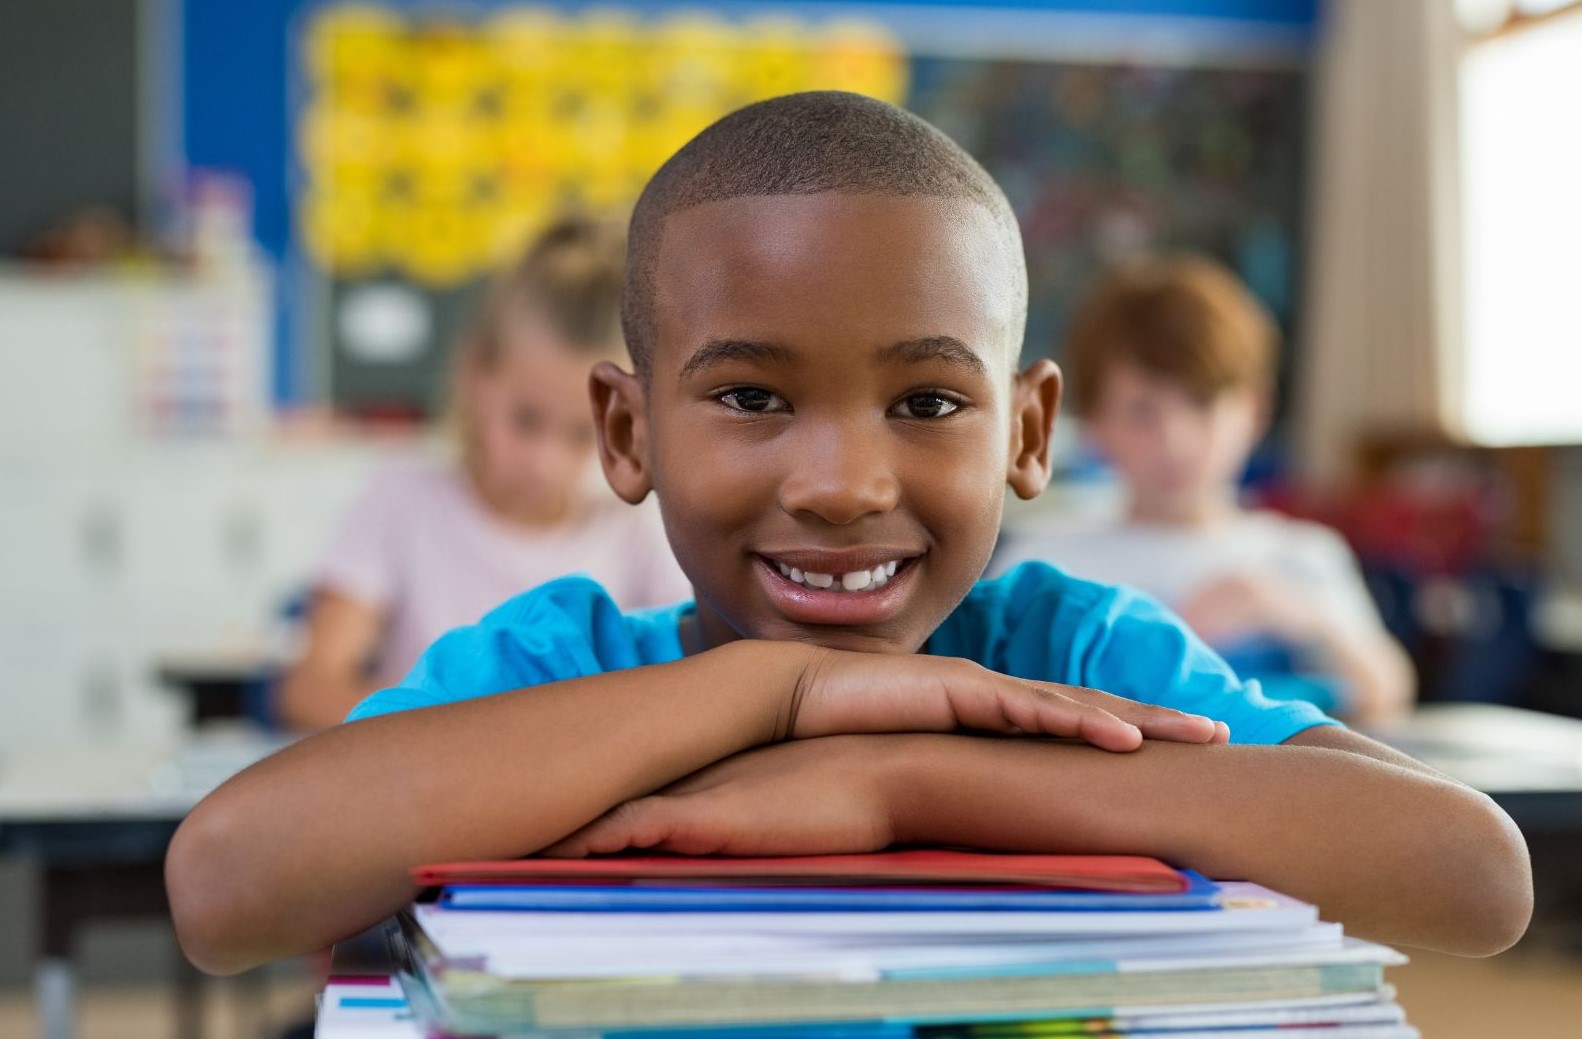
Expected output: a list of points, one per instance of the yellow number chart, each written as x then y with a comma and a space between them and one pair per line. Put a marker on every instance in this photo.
433, 147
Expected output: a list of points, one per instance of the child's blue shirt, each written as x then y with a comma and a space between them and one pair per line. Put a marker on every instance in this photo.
1034, 622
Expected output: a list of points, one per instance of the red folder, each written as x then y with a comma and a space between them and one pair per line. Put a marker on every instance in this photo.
1128, 873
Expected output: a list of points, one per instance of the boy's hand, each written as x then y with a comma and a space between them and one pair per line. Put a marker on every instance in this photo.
807, 797
844, 692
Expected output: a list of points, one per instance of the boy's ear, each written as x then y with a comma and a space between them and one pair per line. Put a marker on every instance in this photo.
620, 418
1035, 401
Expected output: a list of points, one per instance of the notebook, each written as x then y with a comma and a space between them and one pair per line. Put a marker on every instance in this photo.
1125, 873
913, 944
655, 897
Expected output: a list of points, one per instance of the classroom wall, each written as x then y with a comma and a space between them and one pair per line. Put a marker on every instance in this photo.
237, 93
67, 115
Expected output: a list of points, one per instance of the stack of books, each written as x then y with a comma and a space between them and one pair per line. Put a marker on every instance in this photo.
924, 944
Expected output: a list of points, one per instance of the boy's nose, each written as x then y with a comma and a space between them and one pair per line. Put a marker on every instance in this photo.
838, 480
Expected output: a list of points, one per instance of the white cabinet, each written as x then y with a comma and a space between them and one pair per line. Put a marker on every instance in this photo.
64, 368
61, 556
192, 563
61, 533
121, 543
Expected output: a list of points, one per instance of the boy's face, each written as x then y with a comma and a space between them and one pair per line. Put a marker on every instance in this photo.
1175, 452
831, 413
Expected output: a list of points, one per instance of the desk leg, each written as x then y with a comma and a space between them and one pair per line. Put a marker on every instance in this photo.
54, 989
189, 998
78, 894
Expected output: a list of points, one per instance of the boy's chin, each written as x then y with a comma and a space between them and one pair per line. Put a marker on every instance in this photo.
851, 640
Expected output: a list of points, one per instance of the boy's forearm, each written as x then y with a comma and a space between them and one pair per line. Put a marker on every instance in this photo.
315, 842
1395, 853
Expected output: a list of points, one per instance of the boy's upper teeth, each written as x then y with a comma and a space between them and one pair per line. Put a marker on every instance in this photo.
855, 581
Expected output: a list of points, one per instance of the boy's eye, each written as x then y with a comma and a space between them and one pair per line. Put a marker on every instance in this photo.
753, 400
927, 405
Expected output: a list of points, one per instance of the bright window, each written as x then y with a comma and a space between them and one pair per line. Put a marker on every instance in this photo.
1521, 97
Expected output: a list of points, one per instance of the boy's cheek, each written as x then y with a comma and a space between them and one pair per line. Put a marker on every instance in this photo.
704, 474
962, 504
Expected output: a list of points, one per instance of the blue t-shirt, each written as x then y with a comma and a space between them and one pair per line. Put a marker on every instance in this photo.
1034, 622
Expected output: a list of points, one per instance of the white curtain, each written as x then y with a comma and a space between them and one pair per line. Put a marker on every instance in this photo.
1380, 338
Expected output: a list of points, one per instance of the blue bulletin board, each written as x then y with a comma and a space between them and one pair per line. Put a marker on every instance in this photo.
1113, 126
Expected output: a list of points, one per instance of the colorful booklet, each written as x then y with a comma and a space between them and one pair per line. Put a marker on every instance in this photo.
1202, 893
377, 1008
470, 998
914, 944
527, 944
1115, 873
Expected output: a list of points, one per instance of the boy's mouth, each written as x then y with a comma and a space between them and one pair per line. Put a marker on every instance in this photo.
851, 581
827, 588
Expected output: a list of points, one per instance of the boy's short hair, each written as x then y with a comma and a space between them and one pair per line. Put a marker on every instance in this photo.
804, 144
1186, 319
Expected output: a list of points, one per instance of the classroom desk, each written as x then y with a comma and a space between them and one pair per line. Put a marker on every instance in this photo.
1529, 763
220, 684
97, 818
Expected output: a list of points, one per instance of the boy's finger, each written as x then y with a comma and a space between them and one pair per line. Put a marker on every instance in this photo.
1008, 705
1056, 714
566, 848
1159, 723
1106, 731
1180, 727
634, 824
580, 845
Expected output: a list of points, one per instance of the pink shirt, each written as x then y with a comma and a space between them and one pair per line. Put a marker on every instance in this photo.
420, 546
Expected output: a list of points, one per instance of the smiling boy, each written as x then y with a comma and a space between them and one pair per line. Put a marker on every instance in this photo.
824, 306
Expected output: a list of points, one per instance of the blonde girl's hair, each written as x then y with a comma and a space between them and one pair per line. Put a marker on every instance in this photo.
569, 277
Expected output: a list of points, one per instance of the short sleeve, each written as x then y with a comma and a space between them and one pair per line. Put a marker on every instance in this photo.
1132, 646
362, 559
1039, 623
565, 629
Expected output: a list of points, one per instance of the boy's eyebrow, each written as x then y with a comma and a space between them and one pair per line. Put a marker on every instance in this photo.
908, 351
716, 351
933, 348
